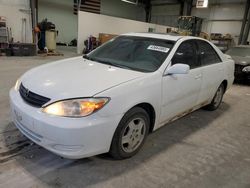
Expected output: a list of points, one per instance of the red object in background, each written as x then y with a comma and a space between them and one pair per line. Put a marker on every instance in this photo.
37, 30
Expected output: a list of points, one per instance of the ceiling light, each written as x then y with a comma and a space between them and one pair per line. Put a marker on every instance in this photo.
135, 2
202, 4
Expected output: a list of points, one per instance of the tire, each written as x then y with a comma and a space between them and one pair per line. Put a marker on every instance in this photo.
217, 99
130, 134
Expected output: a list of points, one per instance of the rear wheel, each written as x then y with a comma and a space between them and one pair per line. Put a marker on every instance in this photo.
130, 134
217, 99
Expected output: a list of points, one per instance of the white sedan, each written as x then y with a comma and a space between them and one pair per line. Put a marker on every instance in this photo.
110, 99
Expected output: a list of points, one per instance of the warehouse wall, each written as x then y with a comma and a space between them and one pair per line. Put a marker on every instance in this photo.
222, 18
15, 11
110, 25
60, 12
165, 14
121, 9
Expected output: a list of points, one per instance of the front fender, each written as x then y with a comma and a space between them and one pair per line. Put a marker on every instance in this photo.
146, 89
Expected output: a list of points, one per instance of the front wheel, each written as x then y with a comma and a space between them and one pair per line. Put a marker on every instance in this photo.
130, 134
217, 99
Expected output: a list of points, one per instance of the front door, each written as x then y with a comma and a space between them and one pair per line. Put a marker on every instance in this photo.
180, 91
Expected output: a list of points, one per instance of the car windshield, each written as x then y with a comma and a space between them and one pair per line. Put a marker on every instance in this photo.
239, 51
135, 53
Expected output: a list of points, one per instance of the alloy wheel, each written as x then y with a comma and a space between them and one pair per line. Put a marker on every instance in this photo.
133, 135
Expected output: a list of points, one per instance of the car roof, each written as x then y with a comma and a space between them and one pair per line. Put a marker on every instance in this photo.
170, 36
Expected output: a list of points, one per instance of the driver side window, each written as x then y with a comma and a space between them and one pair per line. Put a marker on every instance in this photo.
186, 54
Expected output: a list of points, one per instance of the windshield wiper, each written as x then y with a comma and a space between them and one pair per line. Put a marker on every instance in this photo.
89, 58
86, 57
113, 64
117, 65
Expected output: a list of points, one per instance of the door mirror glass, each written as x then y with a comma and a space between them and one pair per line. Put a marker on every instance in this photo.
178, 69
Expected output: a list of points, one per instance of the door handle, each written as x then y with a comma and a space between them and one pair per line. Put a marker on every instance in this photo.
197, 76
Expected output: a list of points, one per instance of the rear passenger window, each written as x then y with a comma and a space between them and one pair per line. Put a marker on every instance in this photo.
186, 54
207, 54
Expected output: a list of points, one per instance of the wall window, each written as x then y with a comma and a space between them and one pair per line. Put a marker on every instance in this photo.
88, 6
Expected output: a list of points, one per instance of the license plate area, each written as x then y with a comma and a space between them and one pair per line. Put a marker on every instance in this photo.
23, 119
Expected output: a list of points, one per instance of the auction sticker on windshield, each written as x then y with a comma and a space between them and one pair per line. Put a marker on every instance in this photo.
158, 48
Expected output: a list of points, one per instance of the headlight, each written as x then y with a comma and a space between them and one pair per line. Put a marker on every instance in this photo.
246, 69
75, 107
17, 85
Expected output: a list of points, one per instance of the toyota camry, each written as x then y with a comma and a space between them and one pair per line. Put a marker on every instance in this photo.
110, 99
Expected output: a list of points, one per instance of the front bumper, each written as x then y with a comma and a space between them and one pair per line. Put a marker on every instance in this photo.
68, 137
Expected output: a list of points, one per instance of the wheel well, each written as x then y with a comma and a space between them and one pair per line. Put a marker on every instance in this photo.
225, 85
151, 112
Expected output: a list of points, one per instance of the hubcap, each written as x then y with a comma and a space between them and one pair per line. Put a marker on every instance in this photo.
218, 96
133, 135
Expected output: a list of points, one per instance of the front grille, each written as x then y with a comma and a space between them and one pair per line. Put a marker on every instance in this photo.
32, 98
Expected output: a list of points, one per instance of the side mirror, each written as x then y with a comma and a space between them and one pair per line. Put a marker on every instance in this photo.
178, 69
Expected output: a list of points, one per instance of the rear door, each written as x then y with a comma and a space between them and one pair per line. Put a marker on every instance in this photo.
180, 91
212, 71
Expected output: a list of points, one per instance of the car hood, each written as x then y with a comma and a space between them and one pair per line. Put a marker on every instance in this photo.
241, 60
75, 77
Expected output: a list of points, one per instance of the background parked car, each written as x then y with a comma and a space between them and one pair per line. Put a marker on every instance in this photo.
241, 56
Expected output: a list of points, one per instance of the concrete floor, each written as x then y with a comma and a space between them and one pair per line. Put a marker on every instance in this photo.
202, 149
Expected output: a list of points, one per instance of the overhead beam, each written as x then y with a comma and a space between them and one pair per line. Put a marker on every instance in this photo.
247, 29
187, 7
162, 2
244, 21
148, 8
